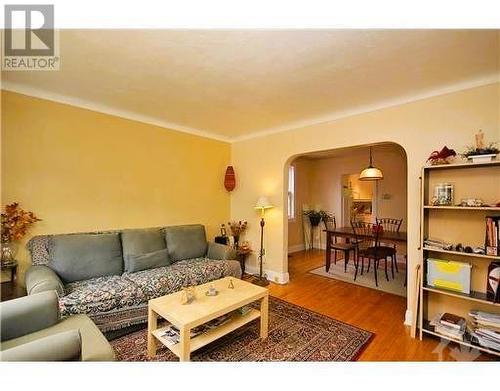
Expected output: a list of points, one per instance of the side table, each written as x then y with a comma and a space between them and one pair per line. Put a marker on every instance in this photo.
11, 289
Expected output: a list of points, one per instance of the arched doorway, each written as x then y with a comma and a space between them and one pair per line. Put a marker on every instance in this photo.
328, 181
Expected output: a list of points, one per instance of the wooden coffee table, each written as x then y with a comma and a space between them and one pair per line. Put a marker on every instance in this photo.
203, 309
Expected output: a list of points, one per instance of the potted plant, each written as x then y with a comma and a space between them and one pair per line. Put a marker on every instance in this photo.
481, 152
15, 224
315, 218
484, 154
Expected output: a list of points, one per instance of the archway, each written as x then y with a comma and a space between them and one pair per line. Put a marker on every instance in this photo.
321, 181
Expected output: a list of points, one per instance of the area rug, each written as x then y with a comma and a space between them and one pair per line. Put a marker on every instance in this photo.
295, 334
395, 286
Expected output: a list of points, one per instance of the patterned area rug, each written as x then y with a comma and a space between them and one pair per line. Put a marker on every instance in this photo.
295, 334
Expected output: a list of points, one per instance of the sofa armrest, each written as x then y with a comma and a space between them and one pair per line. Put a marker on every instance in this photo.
28, 314
220, 251
64, 346
42, 278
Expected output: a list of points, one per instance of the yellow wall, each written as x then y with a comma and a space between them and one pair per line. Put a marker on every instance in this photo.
419, 127
81, 170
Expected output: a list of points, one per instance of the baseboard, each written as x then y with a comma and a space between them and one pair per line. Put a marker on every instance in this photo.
276, 277
296, 248
408, 318
302, 247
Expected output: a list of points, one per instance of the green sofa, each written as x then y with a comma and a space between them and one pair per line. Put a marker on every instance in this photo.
32, 330
110, 276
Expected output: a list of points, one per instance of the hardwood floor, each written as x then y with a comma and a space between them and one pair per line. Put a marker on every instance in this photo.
379, 312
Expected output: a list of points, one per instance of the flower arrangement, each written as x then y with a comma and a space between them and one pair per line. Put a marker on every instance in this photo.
16, 222
237, 228
316, 216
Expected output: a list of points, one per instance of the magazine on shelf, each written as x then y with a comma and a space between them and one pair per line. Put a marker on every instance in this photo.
486, 330
171, 334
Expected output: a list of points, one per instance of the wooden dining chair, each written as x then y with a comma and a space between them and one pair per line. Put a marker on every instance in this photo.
346, 247
368, 246
390, 224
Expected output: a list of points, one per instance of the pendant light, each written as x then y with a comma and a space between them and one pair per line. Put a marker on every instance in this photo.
371, 173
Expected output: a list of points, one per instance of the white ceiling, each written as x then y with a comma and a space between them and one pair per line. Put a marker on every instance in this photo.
238, 83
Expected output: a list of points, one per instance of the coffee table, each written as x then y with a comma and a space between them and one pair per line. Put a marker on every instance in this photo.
203, 309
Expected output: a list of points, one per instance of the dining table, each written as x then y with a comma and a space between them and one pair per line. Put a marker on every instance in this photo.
348, 233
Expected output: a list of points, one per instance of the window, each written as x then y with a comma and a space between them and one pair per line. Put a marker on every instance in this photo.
291, 193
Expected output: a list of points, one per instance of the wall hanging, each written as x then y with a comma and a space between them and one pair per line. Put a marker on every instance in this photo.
230, 179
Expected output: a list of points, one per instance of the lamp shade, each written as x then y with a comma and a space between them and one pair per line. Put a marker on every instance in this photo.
371, 173
263, 203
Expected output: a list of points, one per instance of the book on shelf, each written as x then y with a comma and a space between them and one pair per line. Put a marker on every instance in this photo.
493, 284
450, 326
492, 237
453, 321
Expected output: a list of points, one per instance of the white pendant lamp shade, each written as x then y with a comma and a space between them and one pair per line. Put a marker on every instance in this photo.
371, 173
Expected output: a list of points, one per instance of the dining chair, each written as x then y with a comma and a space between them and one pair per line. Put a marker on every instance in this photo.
368, 246
390, 224
330, 225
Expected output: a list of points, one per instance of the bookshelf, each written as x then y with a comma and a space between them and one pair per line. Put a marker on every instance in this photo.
457, 224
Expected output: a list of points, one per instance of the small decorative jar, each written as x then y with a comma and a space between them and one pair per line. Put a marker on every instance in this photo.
443, 194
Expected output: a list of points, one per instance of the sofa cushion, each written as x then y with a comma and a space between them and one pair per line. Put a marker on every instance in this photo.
77, 257
100, 294
186, 242
151, 260
169, 279
144, 249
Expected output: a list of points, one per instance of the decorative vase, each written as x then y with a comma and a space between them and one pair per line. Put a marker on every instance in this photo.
9, 250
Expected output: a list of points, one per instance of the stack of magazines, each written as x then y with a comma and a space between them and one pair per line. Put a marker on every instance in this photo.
450, 325
486, 329
171, 334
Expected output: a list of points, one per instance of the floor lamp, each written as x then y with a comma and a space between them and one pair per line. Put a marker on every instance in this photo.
262, 204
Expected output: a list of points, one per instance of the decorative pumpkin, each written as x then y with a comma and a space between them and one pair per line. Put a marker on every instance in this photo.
230, 179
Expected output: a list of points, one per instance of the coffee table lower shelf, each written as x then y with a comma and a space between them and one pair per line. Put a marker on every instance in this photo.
236, 321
